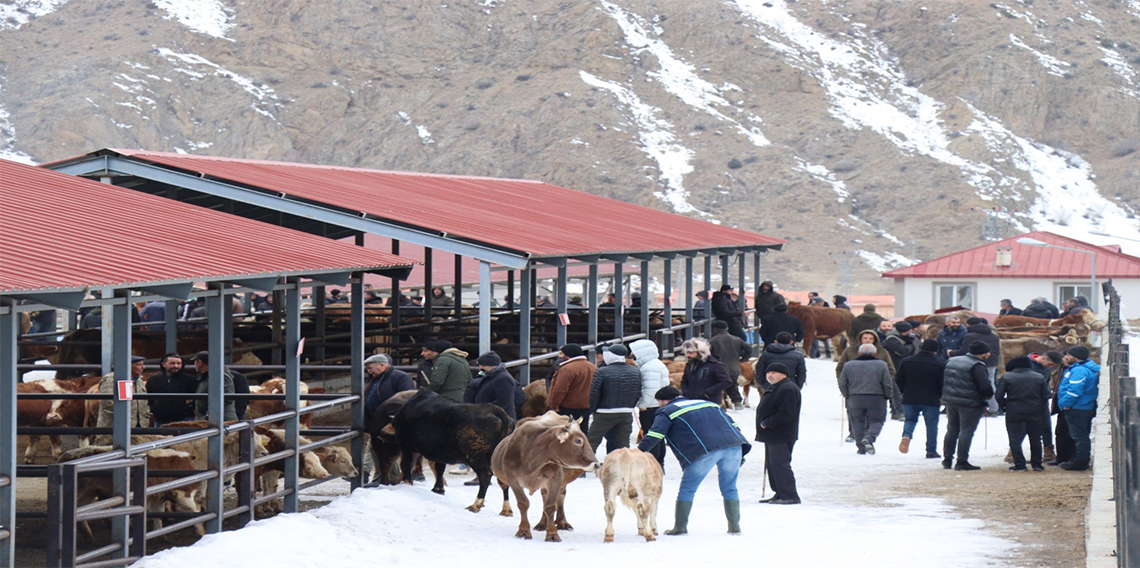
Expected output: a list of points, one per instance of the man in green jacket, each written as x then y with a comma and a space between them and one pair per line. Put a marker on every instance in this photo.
450, 372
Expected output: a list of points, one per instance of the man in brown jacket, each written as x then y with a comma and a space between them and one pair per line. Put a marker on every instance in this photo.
570, 388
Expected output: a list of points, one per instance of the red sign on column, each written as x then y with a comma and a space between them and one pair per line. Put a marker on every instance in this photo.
126, 390
300, 347
564, 318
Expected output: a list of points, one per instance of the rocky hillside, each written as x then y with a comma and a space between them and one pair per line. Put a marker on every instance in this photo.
867, 133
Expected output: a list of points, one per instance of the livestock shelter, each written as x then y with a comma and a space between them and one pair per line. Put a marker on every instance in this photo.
1052, 266
64, 236
516, 225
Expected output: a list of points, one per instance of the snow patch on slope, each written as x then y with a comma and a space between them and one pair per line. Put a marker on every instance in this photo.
208, 17
1052, 65
421, 130
1127, 74
8, 149
266, 98
884, 262
678, 77
657, 140
825, 175
14, 14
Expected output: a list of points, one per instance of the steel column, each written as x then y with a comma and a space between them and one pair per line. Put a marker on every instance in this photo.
689, 331
560, 303
666, 333
107, 336
756, 289
292, 390
215, 407
228, 328
393, 304
619, 301
170, 328
708, 287
645, 297
457, 297
428, 313
525, 277
743, 302
121, 408
484, 306
9, 329
724, 269
317, 295
356, 381
511, 303
592, 304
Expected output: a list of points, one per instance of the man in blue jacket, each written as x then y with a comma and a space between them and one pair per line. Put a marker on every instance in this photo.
1076, 395
701, 435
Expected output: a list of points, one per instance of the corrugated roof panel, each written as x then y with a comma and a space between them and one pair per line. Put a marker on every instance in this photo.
1028, 261
63, 232
520, 215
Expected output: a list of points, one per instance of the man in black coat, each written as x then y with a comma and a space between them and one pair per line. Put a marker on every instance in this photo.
978, 330
614, 393
730, 349
383, 381
782, 351
1007, 309
705, 377
778, 427
780, 320
493, 385
965, 389
1024, 395
919, 379
724, 308
172, 379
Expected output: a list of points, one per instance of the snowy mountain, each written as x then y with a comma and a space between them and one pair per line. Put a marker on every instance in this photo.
868, 133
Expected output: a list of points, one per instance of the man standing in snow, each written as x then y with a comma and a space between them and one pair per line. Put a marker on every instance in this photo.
614, 391
778, 427
919, 379
950, 337
728, 348
1077, 396
866, 384
965, 389
979, 330
725, 309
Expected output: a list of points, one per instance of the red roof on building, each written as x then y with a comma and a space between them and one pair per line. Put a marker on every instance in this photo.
1028, 261
517, 215
62, 232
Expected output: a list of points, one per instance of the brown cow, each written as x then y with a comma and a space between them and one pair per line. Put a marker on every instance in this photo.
747, 377
276, 385
535, 404
541, 454
54, 413
317, 464
1086, 317
822, 323
634, 476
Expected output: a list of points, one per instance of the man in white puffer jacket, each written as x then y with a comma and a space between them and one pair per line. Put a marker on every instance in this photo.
654, 376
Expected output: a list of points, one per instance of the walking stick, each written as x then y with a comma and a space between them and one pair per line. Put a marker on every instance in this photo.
986, 430
764, 477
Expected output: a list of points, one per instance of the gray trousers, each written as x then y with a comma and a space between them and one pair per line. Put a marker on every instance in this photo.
615, 427
867, 413
961, 423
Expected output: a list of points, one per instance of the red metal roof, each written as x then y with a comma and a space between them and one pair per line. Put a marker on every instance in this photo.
1028, 261
65, 232
518, 215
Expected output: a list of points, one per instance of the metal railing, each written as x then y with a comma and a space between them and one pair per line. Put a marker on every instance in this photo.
64, 513
1124, 419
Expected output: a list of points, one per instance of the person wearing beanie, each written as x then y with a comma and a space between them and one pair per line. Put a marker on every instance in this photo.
1076, 397
780, 320
868, 319
767, 299
784, 352
1049, 365
866, 386
1024, 395
702, 435
778, 427
705, 377
569, 392
614, 392
450, 371
382, 381
494, 385
900, 343
919, 380
730, 349
978, 330
965, 389
724, 308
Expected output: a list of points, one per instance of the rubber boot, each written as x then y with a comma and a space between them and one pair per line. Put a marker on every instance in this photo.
732, 512
681, 518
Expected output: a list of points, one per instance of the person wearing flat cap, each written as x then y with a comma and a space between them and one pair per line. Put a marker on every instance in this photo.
778, 427
614, 392
965, 392
1024, 395
1076, 397
383, 381
493, 385
140, 409
569, 392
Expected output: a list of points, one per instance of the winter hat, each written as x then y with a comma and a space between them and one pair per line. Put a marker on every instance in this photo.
720, 324
777, 368
378, 358
783, 337
137, 359
781, 307
869, 308
930, 345
726, 288
618, 349
1021, 362
667, 393
974, 321
489, 359
839, 299
979, 348
1079, 351
571, 350
439, 345
902, 327
203, 356
1055, 357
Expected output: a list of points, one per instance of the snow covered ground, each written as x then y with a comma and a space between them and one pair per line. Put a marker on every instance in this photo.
833, 526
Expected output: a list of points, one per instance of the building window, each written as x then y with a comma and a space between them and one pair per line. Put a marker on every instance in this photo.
951, 295
1067, 291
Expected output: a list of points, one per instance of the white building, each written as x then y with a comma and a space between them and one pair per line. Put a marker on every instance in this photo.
981, 277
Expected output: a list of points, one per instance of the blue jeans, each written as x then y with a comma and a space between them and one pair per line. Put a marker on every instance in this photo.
1080, 428
930, 415
727, 462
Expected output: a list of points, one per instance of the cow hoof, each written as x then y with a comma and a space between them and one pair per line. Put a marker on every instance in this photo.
564, 526
523, 533
553, 537
506, 512
438, 491
608, 538
475, 507
650, 538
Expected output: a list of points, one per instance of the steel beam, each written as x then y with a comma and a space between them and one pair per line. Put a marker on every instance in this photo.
356, 381
619, 300
457, 297
525, 278
292, 392
394, 302
756, 288
644, 297
592, 304
708, 286
215, 407
9, 329
689, 331
317, 295
666, 333
428, 313
228, 326
485, 306
560, 304
743, 301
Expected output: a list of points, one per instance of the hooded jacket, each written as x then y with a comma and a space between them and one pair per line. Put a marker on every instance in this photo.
725, 309
864, 321
496, 387
1079, 386
168, 409
852, 353
766, 302
984, 333
693, 428
450, 374
772, 324
654, 373
787, 354
705, 380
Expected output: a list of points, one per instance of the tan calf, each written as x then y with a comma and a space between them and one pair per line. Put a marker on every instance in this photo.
635, 476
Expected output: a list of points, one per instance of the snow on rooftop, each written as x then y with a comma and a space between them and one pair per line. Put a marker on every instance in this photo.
208, 17
16, 13
656, 138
